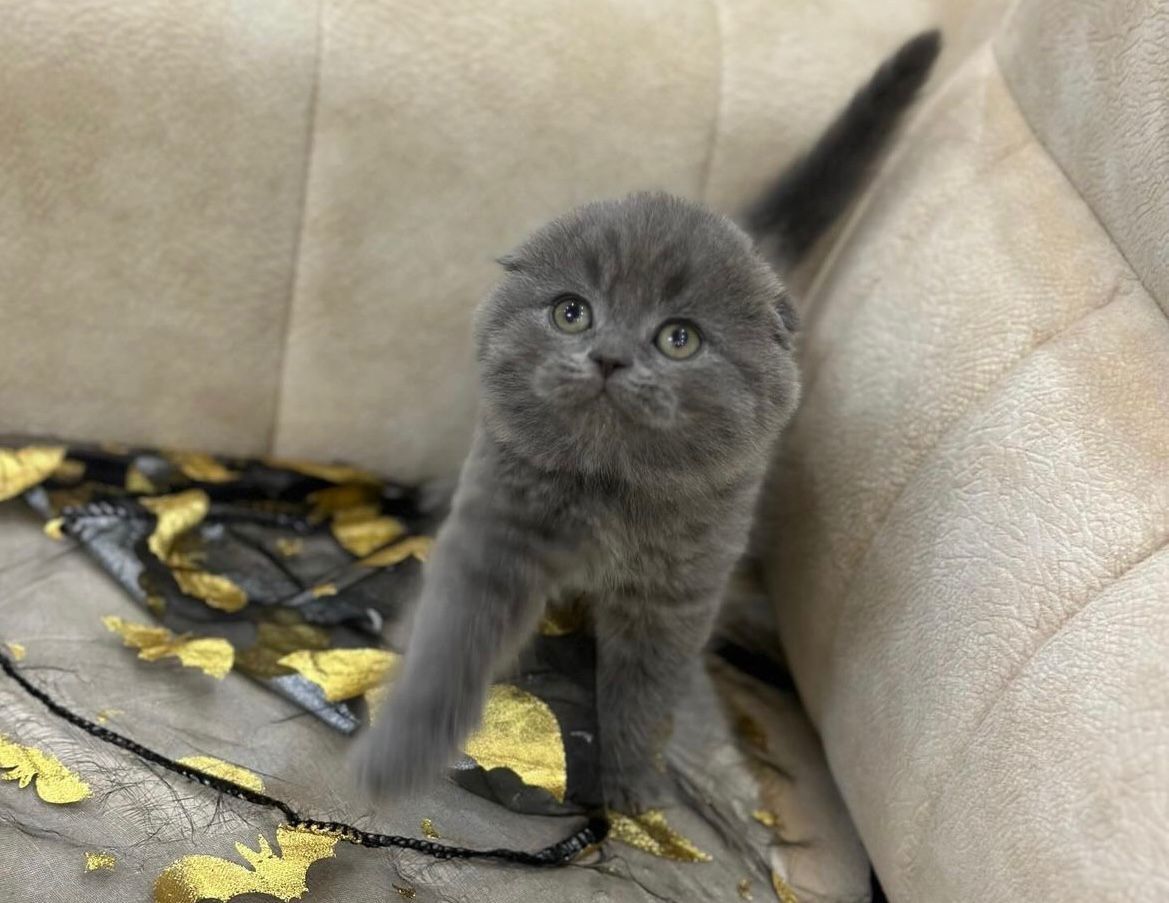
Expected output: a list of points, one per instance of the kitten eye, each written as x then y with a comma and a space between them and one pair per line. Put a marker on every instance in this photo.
572, 314
678, 340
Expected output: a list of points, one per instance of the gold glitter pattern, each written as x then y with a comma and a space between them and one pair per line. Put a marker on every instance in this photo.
200, 467
342, 673
783, 889
106, 714
221, 769
405, 892
282, 875
650, 833
56, 783
212, 655
560, 620
322, 590
53, 528
17, 651
428, 829
766, 817
100, 862
520, 732
23, 468
744, 888
412, 546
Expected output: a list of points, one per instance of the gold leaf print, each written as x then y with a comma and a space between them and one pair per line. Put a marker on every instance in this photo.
100, 862
212, 655
17, 651
364, 529
322, 590
766, 817
650, 833
54, 528
221, 769
744, 888
106, 714
520, 732
216, 590
138, 482
282, 875
410, 547
23, 468
560, 620
176, 515
200, 467
55, 783
274, 640
343, 673
69, 471
289, 547
327, 502
783, 889
332, 473
429, 830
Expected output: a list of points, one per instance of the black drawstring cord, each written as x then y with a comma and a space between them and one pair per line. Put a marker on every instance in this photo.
559, 853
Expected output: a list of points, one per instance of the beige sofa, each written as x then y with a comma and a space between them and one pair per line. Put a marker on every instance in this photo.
260, 227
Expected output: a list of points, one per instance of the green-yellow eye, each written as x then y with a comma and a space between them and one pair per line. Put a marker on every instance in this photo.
572, 314
678, 340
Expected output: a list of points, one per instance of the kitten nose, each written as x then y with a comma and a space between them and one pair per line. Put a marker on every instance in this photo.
607, 363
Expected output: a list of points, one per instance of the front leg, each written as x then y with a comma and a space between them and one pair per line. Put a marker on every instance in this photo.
483, 591
647, 645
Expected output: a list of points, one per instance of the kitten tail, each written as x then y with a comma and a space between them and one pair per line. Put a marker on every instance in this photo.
813, 191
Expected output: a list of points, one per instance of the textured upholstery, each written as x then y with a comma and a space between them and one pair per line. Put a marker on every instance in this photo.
261, 226
970, 517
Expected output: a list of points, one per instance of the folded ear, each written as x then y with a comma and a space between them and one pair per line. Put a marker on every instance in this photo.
788, 318
510, 262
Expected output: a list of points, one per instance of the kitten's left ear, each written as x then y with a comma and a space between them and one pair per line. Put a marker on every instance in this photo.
510, 262
788, 318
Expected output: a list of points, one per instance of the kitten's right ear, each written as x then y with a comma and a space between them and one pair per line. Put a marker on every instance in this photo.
788, 317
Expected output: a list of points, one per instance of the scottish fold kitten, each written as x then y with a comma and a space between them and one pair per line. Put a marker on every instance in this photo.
636, 367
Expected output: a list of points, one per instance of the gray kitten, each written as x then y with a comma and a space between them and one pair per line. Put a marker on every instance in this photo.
636, 367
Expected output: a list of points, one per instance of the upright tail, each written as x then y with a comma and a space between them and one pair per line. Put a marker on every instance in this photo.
812, 192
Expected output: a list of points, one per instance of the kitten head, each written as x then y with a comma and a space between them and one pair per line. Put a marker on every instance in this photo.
641, 339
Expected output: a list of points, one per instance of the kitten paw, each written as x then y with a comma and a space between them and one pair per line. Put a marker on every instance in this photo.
396, 758
632, 793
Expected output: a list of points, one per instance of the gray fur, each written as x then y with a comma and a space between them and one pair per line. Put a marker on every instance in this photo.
632, 490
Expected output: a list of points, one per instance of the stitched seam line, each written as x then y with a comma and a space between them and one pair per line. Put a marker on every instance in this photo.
716, 9
298, 245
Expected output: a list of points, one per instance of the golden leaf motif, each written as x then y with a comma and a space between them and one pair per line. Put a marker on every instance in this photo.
561, 620
23, 468
200, 467
766, 817
56, 783
282, 876
138, 482
404, 892
411, 547
343, 673
322, 590
106, 714
289, 547
55, 528
274, 640
17, 651
332, 473
327, 502
783, 889
216, 590
650, 833
212, 655
221, 769
521, 732
176, 515
100, 862
364, 529
69, 471
744, 888
429, 830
